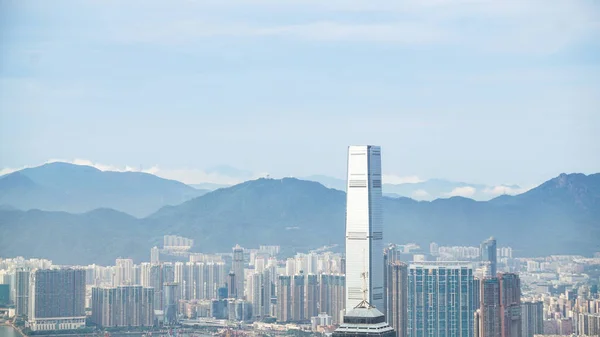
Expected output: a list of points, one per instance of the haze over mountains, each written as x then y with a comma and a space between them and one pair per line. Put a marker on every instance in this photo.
560, 216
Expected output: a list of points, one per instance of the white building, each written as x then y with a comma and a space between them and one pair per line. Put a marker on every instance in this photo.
364, 226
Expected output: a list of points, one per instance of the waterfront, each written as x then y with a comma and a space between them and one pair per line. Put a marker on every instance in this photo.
8, 331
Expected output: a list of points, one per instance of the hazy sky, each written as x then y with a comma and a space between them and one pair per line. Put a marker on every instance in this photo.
479, 91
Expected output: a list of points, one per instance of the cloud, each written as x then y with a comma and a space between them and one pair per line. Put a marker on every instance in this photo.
503, 189
420, 195
393, 179
465, 191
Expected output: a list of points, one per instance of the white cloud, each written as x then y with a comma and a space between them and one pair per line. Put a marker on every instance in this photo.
465, 191
503, 189
394, 179
420, 195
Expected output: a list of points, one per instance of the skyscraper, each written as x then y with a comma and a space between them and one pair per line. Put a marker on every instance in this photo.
123, 306
238, 270
499, 314
440, 299
364, 226
488, 255
171, 303
332, 295
532, 318
21, 292
397, 296
284, 298
298, 298
312, 296
123, 272
56, 299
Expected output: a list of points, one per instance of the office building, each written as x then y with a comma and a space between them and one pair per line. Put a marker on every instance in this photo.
238, 271
56, 299
532, 318
364, 321
21, 292
4, 294
397, 296
364, 226
171, 301
440, 299
488, 253
123, 306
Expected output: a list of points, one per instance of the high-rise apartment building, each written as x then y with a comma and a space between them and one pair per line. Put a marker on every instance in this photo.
311, 308
298, 298
499, 314
123, 306
332, 295
488, 255
397, 296
284, 298
364, 226
56, 299
440, 299
123, 272
21, 292
261, 294
238, 270
532, 318
154, 256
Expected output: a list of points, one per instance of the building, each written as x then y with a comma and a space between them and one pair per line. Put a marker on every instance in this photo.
311, 308
397, 296
488, 255
499, 314
440, 299
364, 321
123, 272
21, 292
298, 298
532, 318
261, 295
284, 298
154, 256
364, 226
56, 299
123, 306
332, 295
238, 271
4, 294
171, 306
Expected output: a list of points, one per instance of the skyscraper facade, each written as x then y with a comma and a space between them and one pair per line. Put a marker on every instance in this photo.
332, 295
488, 255
311, 308
284, 298
440, 299
123, 306
364, 226
397, 296
171, 300
499, 314
21, 292
532, 318
238, 270
56, 299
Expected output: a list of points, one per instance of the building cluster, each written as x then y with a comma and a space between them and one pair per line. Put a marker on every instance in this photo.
399, 290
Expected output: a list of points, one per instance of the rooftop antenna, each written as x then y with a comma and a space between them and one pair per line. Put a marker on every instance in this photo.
364, 303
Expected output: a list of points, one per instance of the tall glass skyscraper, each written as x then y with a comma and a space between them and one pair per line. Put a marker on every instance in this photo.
440, 299
364, 226
488, 254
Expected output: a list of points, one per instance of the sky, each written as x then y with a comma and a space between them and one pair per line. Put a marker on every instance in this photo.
479, 91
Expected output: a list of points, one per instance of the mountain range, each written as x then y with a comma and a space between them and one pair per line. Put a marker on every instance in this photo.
561, 216
77, 189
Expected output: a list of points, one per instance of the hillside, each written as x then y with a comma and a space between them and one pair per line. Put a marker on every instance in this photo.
76, 189
561, 216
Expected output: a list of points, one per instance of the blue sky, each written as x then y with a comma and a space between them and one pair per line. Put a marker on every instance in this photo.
478, 91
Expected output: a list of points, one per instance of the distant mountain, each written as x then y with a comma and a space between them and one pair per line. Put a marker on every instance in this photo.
76, 188
209, 186
561, 216
426, 190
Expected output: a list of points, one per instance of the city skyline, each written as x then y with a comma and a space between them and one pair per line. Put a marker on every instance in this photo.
446, 77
